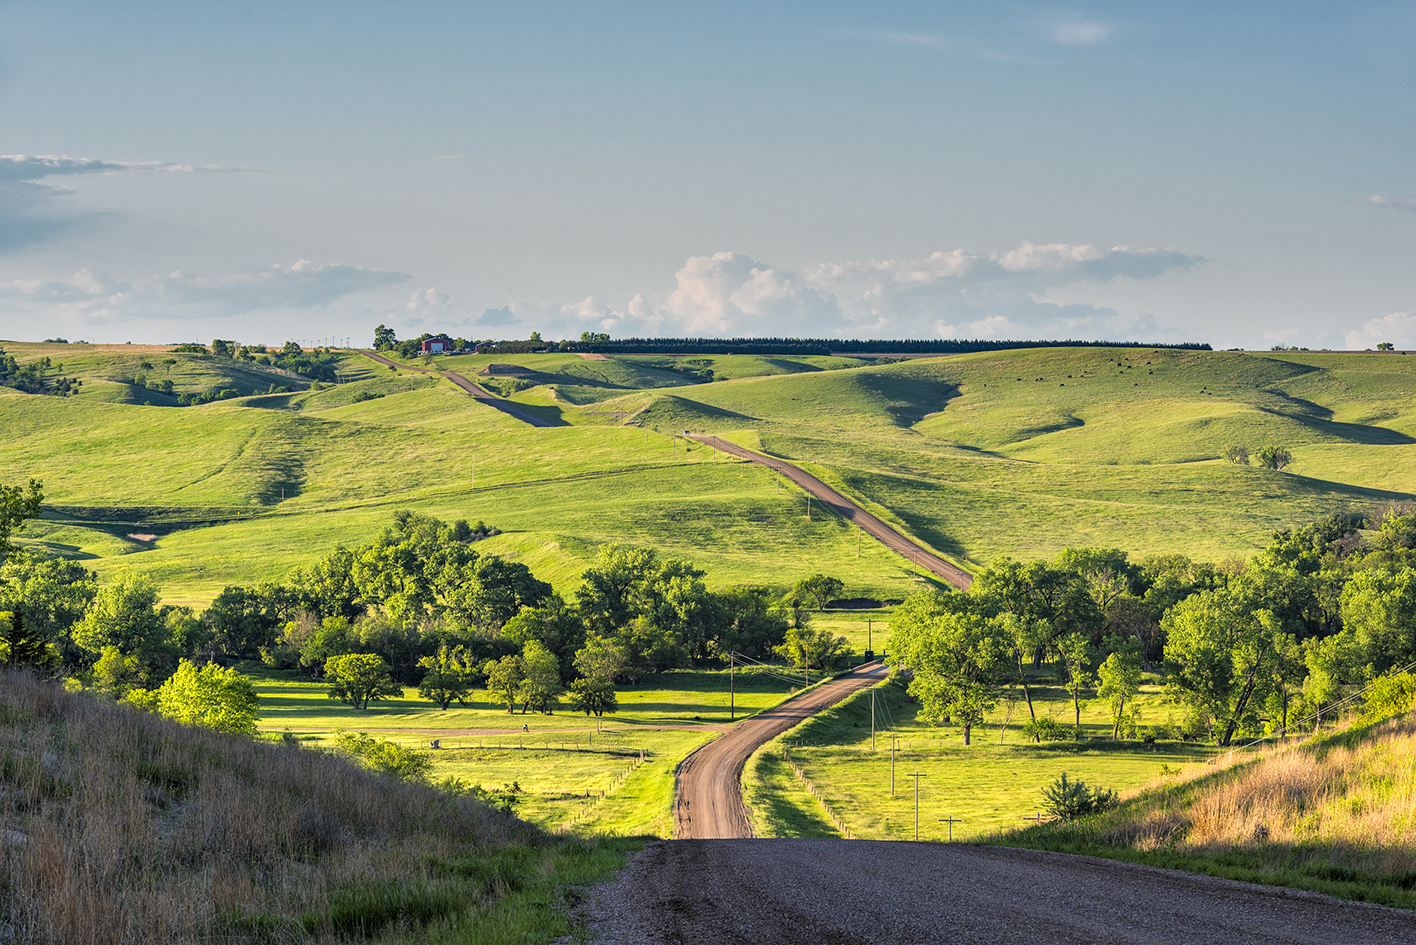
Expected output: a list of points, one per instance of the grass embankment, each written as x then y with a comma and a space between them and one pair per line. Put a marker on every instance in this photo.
990, 785
612, 775
1334, 815
122, 827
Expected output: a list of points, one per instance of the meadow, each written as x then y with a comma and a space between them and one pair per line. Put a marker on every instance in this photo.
991, 785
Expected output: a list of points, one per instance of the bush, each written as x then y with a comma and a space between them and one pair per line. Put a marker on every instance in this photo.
1071, 799
1237, 454
384, 756
1390, 695
1274, 457
1047, 730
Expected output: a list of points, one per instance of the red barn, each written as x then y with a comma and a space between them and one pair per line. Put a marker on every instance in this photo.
437, 345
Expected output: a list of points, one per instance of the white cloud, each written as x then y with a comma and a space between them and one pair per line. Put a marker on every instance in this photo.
1399, 328
92, 297
429, 300
1393, 203
1078, 32
33, 167
728, 292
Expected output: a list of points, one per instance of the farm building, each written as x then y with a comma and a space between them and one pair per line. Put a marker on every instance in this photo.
437, 345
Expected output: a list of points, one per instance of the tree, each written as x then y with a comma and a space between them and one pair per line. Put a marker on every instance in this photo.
1120, 677
1070, 799
504, 679
1385, 346
360, 678
956, 660
1274, 457
117, 675
754, 628
384, 338
493, 590
449, 676
16, 505
591, 695
211, 696
1379, 607
602, 658
333, 637
805, 648
1075, 653
1237, 453
21, 646
385, 757
819, 587
124, 615
541, 685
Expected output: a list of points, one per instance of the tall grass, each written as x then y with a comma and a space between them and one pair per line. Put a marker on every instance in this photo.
122, 827
1336, 815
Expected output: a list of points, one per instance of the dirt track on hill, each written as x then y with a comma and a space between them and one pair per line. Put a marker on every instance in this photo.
851, 892
848, 510
505, 406
708, 793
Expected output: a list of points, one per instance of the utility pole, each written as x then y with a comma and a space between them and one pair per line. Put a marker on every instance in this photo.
867, 636
872, 718
951, 822
732, 694
916, 776
857, 543
893, 740
808, 506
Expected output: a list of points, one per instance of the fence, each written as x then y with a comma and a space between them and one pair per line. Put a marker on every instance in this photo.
836, 818
593, 800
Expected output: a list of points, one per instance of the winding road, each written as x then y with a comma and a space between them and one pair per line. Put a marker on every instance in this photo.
848, 510
708, 797
491, 400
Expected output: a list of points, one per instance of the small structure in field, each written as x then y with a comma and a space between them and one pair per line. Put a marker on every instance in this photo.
439, 344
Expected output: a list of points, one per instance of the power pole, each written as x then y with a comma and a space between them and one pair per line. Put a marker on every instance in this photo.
872, 718
857, 543
893, 740
808, 506
951, 821
916, 776
732, 694
868, 636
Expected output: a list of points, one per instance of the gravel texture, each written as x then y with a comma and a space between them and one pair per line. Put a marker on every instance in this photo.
786, 892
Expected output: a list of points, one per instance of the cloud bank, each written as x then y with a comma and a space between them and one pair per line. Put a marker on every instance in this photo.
1399, 328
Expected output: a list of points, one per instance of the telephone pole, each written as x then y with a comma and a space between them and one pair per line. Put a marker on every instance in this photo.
872, 718
916, 776
732, 695
893, 740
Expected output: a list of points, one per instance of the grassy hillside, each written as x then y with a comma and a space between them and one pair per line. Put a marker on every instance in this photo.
123, 827
1012, 452
1333, 815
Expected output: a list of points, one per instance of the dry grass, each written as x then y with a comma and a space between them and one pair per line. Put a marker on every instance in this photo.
1336, 814
122, 827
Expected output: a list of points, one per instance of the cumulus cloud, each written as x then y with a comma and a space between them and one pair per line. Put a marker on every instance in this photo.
1393, 203
951, 293
1072, 30
429, 300
91, 297
1399, 328
497, 317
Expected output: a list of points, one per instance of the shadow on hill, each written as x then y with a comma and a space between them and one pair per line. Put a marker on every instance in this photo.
909, 397
1319, 419
677, 413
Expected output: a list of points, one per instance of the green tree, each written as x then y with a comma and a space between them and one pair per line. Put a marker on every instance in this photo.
1075, 654
1120, 677
1332, 662
449, 675
22, 646
333, 637
1379, 606
1385, 346
593, 696
753, 627
540, 687
384, 756
820, 588
1237, 453
504, 679
211, 696
806, 649
124, 615
360, 678
602, 658
384, 338
957, 660
1274, 457
1068, 800
116, 674
16, 505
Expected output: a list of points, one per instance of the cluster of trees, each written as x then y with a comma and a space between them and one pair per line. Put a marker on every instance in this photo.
1270, 457
1244, 648
386, 340
827, 346
418, 606
33, 377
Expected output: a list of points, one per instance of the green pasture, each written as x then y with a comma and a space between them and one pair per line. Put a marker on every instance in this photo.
576, 771
990, 785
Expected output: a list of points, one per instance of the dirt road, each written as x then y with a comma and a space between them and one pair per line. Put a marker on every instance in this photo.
851, 892
848, 510
505, 406
708, 795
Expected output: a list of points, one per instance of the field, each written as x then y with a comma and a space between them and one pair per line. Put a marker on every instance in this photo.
608, 775
988, 786
1005, 453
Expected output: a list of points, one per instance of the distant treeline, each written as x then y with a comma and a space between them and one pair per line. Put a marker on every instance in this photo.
812, 346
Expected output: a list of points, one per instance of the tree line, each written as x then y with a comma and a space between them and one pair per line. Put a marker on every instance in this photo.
1245, 648
417, 606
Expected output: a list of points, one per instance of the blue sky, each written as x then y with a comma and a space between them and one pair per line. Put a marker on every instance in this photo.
1240, 174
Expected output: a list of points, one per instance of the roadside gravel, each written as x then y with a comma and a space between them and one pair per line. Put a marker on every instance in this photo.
792, 892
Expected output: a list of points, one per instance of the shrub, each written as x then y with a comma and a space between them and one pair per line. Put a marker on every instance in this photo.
1237, 454
1274, 457
1071, 799
1046, 730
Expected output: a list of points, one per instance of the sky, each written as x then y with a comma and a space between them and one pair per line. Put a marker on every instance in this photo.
1238, 174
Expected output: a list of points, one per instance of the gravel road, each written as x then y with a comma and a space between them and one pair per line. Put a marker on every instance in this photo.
848, 510
845, 892
505, 406
708, 796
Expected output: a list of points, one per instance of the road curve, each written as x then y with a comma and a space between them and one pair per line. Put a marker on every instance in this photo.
848, 510
852, 892
708, 790
505, 406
